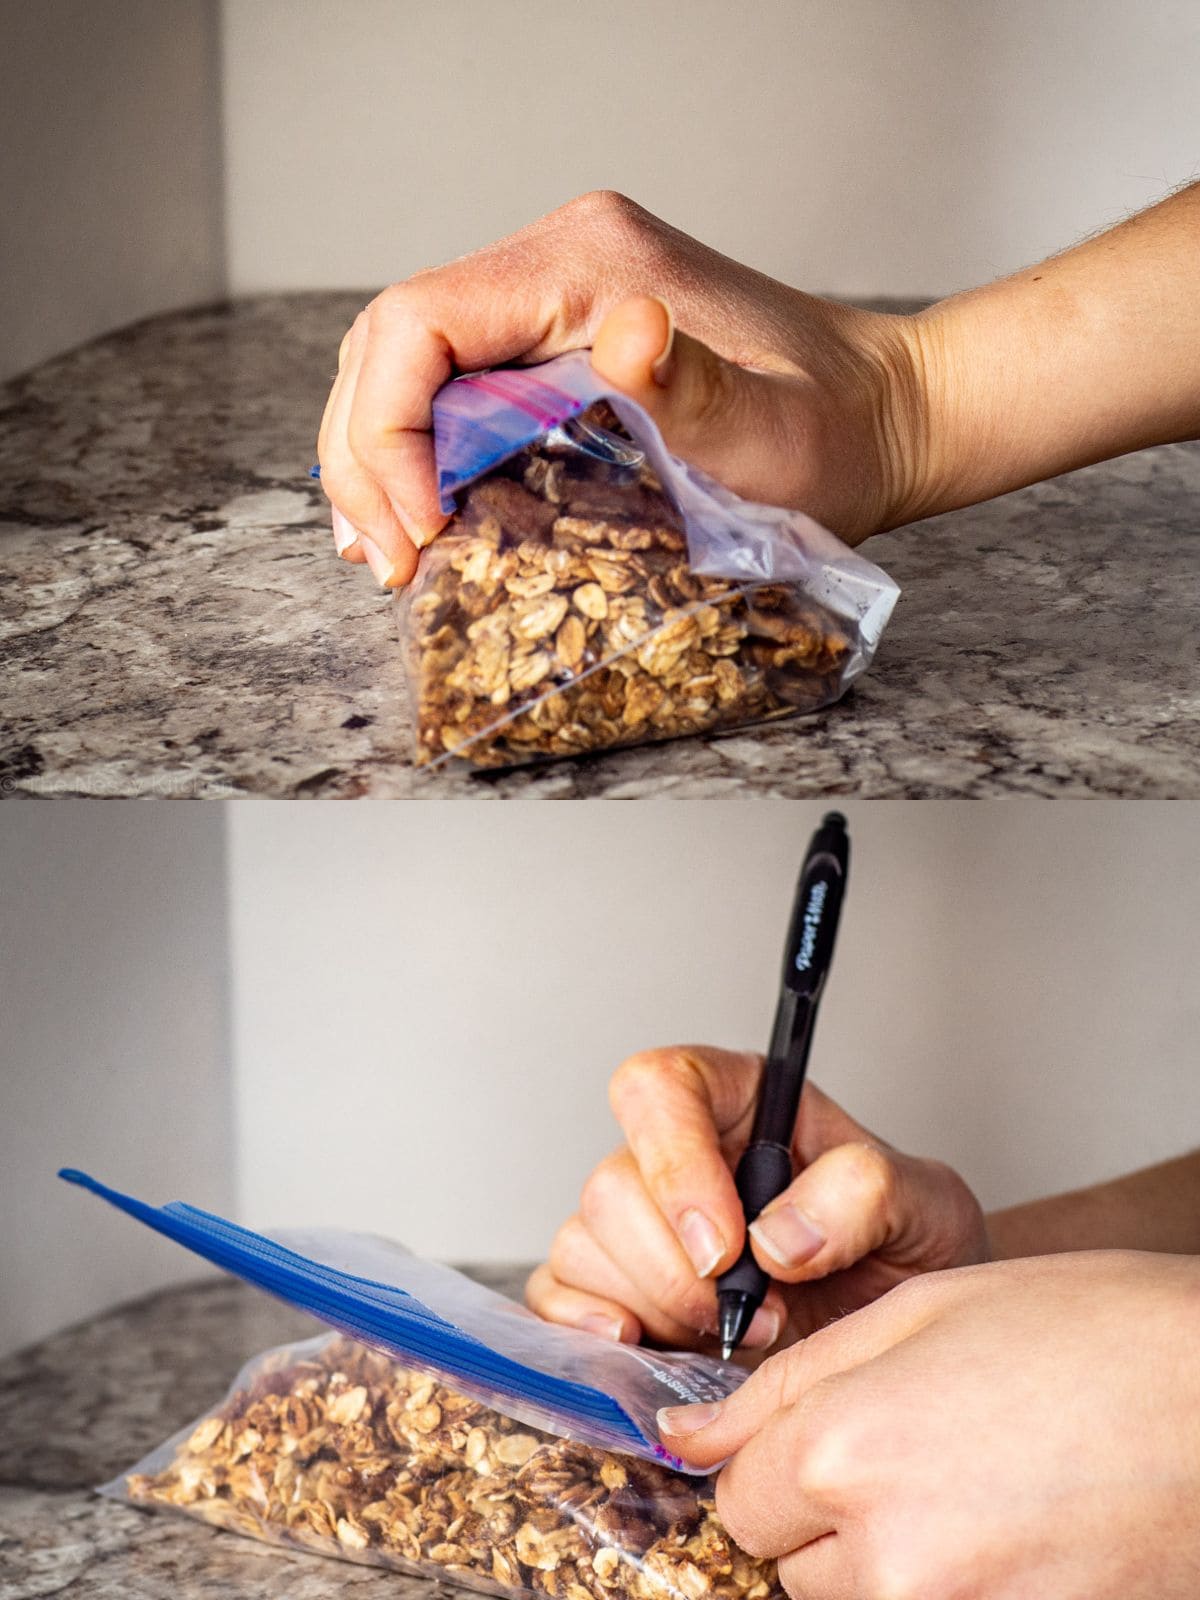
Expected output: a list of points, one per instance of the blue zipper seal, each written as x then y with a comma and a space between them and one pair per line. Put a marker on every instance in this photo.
378, 1314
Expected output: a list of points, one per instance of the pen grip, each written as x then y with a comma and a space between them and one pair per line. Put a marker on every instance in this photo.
764, 1171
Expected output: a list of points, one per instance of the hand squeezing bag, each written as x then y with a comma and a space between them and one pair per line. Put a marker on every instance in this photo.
594, 591
443, 1429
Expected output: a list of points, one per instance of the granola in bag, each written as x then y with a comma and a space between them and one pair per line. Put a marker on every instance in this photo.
333, 1447
592, 591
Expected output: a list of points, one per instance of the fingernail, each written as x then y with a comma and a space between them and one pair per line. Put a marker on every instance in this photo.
703, 1243
764, 1328
422, 536
382, 567
604, 1327
343, 534
664, 367
679, 1421
788, 1235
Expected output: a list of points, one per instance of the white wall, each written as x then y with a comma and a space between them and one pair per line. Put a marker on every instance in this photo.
428, 999
113, 1049
110, 181
425, 1003
856, 146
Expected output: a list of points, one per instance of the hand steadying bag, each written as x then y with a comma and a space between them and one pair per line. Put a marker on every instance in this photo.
595, 591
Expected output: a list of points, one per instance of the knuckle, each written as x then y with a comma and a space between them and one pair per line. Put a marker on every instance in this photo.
354, 338
672, 1178
337, 463
337, 481
685, 1297
608, 208
892, 1575
640, 1077
364, 438
870, 1172
604, 1190
390, 319
394, 301
826, 1460
567, 1248
650, 1071
539, 1285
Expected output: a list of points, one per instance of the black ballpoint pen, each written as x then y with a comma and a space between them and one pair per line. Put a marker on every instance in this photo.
765, 1168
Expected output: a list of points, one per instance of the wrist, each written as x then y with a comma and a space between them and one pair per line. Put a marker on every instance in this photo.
879, 421
1035, 375
906, 366
979, 353
965, 441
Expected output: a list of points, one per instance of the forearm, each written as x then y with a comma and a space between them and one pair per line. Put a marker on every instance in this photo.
1086, 356
1155, 1209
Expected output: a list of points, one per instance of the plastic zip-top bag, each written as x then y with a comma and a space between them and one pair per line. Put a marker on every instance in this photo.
487, 1454
594, 591
332, 1447
556, 1378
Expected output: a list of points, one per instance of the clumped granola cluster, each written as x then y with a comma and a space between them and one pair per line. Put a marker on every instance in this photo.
344, 1452
558, 614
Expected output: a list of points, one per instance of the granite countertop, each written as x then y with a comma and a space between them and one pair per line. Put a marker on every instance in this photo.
174, 622
86, 1404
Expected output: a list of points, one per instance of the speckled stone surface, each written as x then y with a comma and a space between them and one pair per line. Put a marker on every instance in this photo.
85, 1405
173, 620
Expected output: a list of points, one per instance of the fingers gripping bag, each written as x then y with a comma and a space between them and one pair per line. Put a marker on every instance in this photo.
594, 591
443, 1429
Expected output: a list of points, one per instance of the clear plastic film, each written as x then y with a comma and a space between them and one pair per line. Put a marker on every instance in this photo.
554, 1378
594, 591
333, 1447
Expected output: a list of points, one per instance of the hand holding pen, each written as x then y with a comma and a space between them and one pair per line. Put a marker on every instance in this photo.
660, 1218
765, 1168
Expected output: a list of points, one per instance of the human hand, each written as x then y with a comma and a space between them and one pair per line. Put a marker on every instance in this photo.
1026, 1428
785, 398
660, 1218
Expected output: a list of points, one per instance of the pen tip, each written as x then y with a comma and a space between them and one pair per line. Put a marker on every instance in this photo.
736, 1308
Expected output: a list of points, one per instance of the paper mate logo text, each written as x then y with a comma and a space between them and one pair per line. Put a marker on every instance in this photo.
812, 921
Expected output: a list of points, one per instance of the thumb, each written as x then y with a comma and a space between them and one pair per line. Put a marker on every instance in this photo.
705, 1435
855, 1196
852, 1200
736, 425
863, 1199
